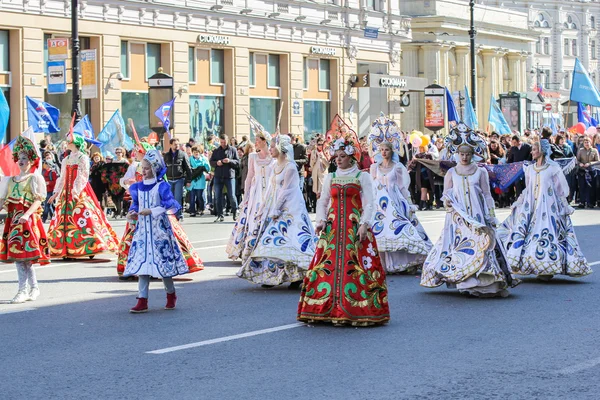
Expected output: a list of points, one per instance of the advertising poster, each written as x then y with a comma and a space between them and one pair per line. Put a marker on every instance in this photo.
434, 112
89, 87
206, 117
510, 110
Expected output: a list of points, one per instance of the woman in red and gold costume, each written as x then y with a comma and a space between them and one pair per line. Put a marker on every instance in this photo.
24, 239
345, 283
133, 175
79, 227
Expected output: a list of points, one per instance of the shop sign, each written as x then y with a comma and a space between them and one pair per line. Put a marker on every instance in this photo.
89, 86
392, 82
214, 39
326, 51
58, 49
434, 107
57, 77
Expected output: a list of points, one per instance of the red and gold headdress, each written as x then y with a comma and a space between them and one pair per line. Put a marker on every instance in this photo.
24, 145
341, 137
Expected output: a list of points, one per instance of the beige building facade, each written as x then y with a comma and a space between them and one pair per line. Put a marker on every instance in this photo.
226, 62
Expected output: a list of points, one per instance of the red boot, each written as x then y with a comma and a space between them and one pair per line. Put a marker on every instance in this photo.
140, 307
171, 300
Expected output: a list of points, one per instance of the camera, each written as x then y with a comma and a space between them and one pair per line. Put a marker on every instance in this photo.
120, 76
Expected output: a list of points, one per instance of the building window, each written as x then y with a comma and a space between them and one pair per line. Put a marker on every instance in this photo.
305, 73
316, 118
372, 4
64, 102
541, 22
546, 42
283, 8
153, 61
251, 72
266, 112
569, 24
538, 46
135, 106
206, 117
567, 80
593, 22
46, 37
574, 48
4, 64
217, 75
567, 49
273, 70
593, 47
192, 64
125, 59
324, 75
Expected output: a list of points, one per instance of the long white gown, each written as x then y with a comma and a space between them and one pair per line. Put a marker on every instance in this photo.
401, 240
464, 257
255, 187
538, 236
284, 246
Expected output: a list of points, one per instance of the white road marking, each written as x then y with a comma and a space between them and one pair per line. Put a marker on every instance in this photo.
225, 339
53, 265
210, 247
16, 311
211, 240
580, 367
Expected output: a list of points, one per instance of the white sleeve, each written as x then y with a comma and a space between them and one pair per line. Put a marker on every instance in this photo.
4, 187
403, 181
250, 174
527, 173
83, 175
484, 182
324, 200
448, 182
60, 182
373, 171
367, 198
130, 174
290, 184
561, 186
38, 187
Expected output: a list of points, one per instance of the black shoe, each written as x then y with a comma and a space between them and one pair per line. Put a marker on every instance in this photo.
192, 215
201, 213
267, 286
295, 285
234, 216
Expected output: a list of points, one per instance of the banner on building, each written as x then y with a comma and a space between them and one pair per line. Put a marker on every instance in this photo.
57, 77
58, 49
89, 86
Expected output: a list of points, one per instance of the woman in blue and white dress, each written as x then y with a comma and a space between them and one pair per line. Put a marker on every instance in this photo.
259, 173
285, 240
402, 242
538, 236
154, 251
465, 256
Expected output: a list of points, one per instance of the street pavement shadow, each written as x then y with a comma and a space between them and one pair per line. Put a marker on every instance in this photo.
557, 280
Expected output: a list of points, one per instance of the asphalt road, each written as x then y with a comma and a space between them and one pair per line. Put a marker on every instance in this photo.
78, 341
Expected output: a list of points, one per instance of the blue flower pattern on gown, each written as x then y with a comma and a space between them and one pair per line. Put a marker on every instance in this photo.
538, 236
306, 235
380, 216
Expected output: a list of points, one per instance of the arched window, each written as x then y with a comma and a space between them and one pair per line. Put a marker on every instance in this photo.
541, 21
569, 24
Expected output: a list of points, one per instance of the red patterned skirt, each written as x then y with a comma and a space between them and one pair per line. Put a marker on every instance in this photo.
345, 283
23, 242
80, 228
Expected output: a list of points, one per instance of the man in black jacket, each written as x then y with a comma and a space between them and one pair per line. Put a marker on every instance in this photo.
224, 159
519, 152
300, 157
178, 173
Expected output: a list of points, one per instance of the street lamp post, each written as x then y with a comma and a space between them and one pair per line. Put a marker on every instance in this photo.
537, 72
76, 106
472, 33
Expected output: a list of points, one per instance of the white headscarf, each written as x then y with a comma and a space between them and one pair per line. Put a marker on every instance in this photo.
283, 144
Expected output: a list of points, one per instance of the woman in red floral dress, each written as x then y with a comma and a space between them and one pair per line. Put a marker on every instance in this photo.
24, 239
345, 283
79, 227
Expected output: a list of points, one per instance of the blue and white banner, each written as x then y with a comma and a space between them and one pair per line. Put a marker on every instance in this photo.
42, 117
583, 89
84, 128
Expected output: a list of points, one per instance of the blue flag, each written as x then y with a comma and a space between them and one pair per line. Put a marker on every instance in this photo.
164, 114
85, 129
113, 135
42, 117
4, 115
496, 118
583, 89
452, 113
470, 118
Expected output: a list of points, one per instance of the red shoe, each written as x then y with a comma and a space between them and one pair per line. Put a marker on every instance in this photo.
140, 307
171, 300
